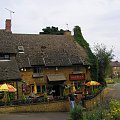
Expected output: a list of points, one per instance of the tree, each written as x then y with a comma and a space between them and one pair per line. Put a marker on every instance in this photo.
52, 30
103, 59
91, 57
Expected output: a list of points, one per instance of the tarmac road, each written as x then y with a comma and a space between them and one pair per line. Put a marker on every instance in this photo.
35, 116
113, 93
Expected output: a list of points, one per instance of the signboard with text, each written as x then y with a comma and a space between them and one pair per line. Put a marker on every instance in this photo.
77, 76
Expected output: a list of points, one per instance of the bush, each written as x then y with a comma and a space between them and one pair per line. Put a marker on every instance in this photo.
96, 114
115, 109
12, 95
76, 113
110, 81
23, 98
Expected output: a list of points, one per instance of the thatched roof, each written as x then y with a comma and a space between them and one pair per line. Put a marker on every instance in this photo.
6, 46
40, 50
48, 50
9, 70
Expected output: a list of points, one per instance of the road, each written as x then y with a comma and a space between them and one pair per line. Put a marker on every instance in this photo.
113, 93
35, 116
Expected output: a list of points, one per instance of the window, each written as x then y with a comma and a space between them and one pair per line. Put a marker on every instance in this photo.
20, 49
38, 89
4, 57
36, 70
43, 88
77, 68
32, 88
115, 67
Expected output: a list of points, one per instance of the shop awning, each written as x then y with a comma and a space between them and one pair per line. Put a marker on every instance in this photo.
56, 77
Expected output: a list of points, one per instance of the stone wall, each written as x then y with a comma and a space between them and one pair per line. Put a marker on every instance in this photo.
41, 107
96, 101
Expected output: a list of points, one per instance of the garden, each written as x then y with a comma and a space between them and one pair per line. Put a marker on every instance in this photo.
98, 113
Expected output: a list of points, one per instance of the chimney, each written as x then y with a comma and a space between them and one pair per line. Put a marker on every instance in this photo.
67, 32
8, 25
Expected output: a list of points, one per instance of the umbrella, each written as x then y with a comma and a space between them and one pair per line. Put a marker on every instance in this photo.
92, 83
7, 87
35, 88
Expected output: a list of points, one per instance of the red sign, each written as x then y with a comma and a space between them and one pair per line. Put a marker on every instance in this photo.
77, 76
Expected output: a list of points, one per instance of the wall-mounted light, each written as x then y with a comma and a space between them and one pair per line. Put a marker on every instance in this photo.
56, 68
21, 69
88, 67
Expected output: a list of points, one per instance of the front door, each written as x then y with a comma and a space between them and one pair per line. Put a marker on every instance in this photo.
56, 89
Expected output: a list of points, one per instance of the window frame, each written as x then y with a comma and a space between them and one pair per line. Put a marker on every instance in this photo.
4, 57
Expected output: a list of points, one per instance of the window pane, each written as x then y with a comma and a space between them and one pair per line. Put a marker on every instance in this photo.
43, 88
38, 89
7, 57
4, 57
37, 70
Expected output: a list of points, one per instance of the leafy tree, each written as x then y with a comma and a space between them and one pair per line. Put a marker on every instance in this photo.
52, 30
103, 59
91, 57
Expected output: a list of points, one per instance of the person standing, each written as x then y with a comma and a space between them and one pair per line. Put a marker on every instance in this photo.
71, 98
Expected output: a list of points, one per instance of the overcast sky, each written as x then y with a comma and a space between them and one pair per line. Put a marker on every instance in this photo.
99, 19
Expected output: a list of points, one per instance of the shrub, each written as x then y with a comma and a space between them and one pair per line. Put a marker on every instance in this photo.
23, 98
96, 114
115, 109
110, 81
12, 95
76, 113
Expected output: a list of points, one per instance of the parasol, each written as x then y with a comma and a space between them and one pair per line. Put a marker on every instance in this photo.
35, 88
92, 83
7, 87
73, 87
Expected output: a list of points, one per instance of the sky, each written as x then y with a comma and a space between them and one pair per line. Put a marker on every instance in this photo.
99, 19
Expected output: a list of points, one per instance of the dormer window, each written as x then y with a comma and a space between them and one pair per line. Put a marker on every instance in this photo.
20, 49
4, 57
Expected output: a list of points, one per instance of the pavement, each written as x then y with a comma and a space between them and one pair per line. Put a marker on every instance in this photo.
35, 116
